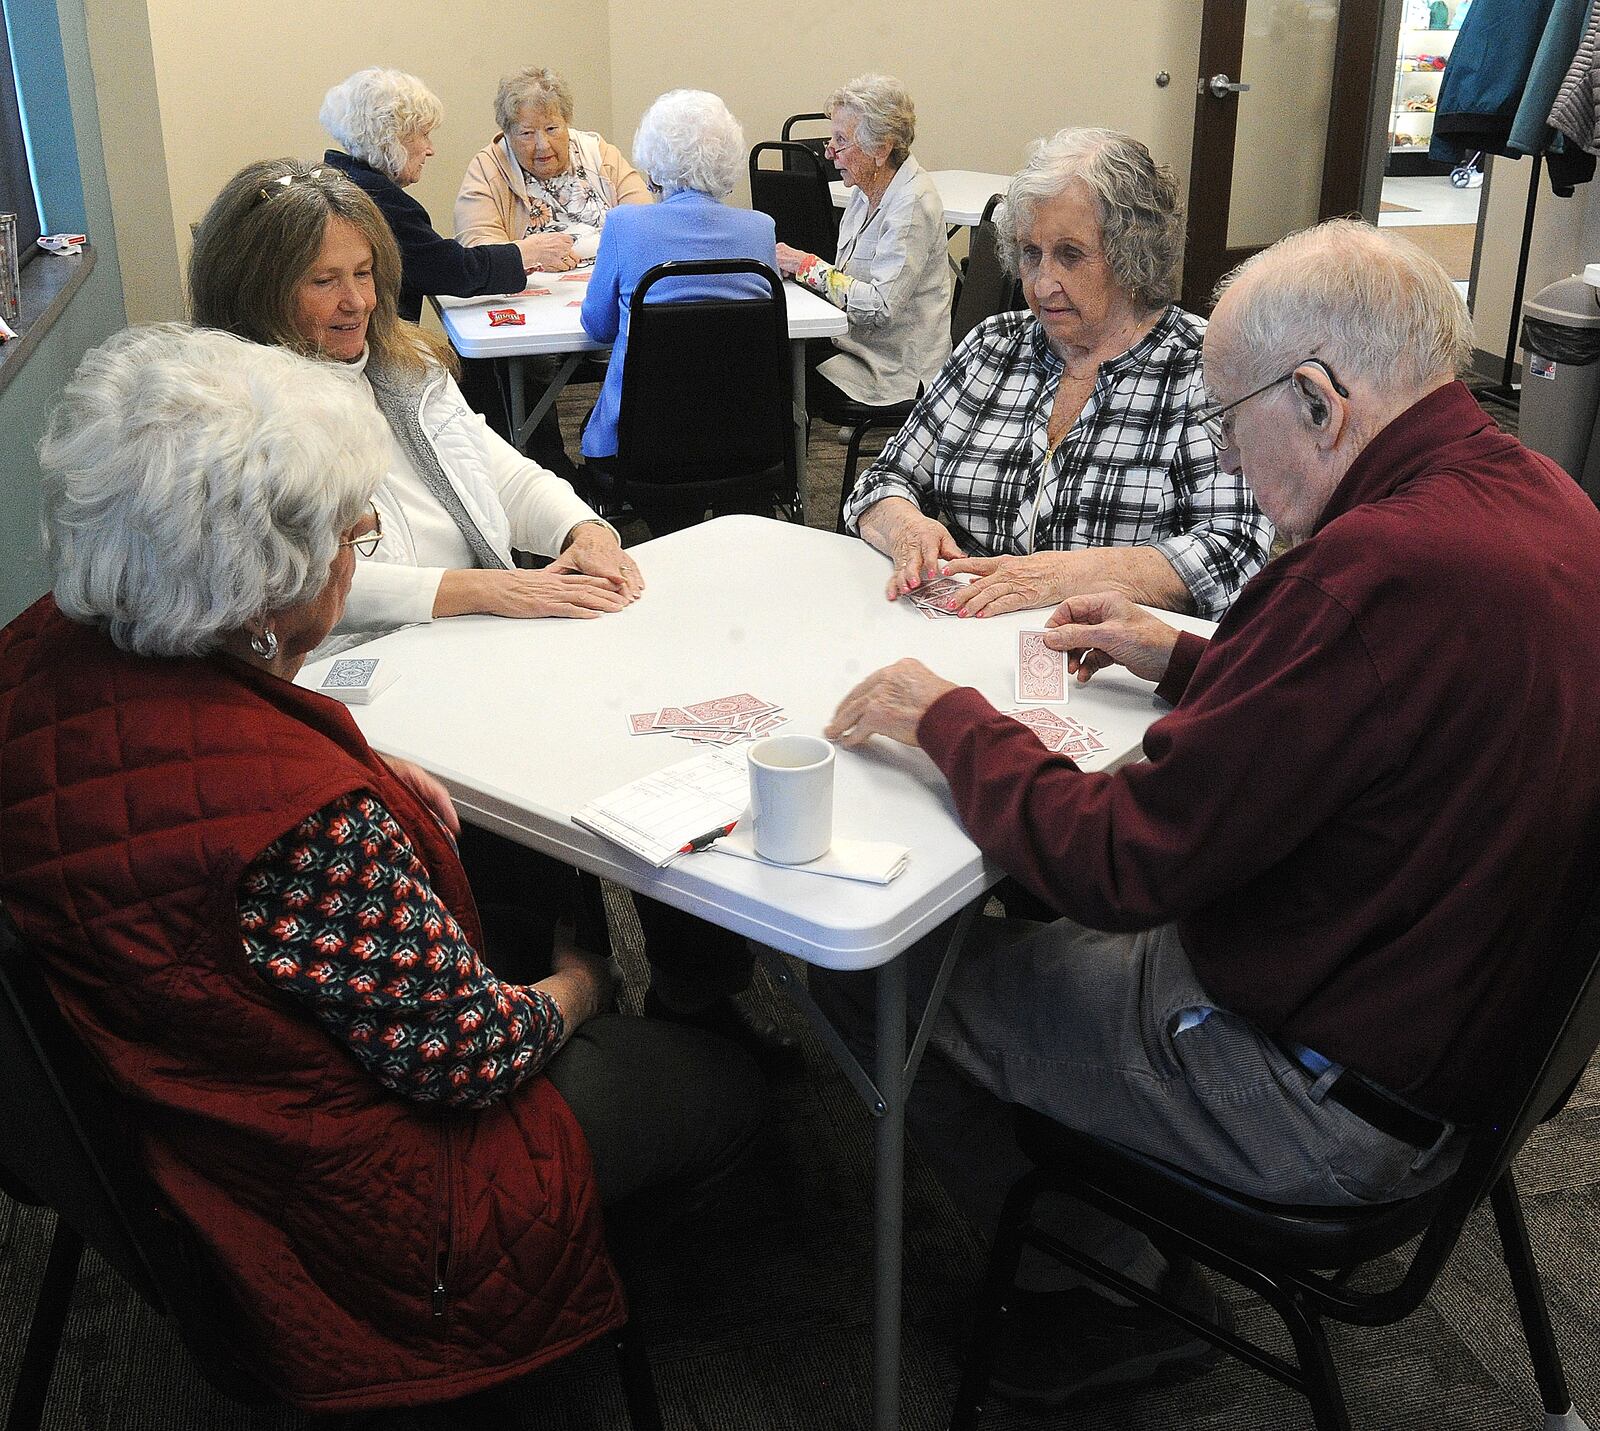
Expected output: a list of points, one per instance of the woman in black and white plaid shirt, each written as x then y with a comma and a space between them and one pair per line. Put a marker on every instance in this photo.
1060, 450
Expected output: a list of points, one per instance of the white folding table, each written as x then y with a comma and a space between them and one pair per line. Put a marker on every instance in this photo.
525, 721
553, 329
964, 193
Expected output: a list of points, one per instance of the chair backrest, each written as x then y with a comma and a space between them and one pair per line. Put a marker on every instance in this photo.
64, 1144
1559, 1040
707, 392
796, 196
987, 288
817, 143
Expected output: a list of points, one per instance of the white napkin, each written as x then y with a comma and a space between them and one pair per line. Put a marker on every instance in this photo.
872, 861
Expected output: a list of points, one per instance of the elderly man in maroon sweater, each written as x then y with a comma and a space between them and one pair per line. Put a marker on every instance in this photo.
1338, 882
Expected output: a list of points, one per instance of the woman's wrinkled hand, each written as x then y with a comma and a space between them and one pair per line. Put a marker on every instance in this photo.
548, 253
429, 790
1013, 583
520, 593
595, 551
915, 544
792, 260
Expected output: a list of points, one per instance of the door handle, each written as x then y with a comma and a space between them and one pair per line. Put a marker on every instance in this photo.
1221, 86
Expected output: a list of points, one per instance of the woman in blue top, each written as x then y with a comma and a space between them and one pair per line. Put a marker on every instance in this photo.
693, 151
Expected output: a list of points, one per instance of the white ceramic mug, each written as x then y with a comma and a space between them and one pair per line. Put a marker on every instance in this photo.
791, 798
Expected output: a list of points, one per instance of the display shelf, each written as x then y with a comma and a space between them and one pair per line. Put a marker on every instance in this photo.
1411, 129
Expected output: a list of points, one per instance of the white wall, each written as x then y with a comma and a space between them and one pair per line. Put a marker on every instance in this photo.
244, 82
207, 88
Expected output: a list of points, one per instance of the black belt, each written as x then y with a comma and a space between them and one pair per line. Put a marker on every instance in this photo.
1381, 1109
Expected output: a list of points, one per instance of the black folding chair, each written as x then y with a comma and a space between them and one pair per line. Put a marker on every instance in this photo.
986, 290
986, 287
1301, 1259
706, 419
817, 143
797, 196
65, 1145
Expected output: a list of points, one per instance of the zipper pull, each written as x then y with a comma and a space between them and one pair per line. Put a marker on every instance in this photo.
438, 1297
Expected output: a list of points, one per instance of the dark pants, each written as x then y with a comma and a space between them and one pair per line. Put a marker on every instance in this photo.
664, 1108
481, 387
691, 961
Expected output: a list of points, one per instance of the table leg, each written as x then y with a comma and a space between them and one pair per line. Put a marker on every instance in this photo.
888, 1195
516, 380
524, 422
894, 1070
797, 361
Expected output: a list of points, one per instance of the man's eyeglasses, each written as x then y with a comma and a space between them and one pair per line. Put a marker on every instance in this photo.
367, 543
1213, 418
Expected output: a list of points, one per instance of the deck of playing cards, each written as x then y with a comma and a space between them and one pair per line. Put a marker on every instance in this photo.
1061, 735
727, 720
1041, 672
360, 680
931, 596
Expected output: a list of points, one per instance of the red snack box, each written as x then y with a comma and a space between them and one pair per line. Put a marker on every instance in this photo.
503, 317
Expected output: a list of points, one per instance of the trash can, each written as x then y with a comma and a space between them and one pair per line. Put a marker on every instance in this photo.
1561, 374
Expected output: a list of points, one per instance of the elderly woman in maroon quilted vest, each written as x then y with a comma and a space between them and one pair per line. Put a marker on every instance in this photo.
260, 927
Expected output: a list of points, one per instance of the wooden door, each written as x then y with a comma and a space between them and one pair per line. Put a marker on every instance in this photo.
1291, 148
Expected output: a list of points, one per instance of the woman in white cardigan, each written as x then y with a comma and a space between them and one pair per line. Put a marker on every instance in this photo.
297, 256
892, 272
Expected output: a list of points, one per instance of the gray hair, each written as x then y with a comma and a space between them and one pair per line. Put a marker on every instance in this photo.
375, 111
194, 481
687, 139
1367, 300
536, 86
885, 112
1141, 218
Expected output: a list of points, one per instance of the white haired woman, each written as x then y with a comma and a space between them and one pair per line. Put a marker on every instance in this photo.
260, 928
693, 151
539, 175
1061, 451
892, 272
384, 120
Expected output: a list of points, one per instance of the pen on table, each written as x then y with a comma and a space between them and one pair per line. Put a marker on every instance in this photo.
700, 842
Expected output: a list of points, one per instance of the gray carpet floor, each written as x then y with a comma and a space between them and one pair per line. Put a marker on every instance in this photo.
760, 1320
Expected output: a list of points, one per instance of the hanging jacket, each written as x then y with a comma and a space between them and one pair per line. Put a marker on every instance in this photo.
1483, 86
378, 1252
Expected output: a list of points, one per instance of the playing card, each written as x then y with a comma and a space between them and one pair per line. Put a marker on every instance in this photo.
674, 718
724, 707
1041, 672
1041, 719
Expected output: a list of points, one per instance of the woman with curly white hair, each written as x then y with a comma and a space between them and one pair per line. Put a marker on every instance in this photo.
541, 177
693, 151
891, 273
384, 120
262, 932
1061, 451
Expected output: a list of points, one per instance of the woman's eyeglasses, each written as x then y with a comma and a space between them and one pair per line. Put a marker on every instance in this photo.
367, 543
